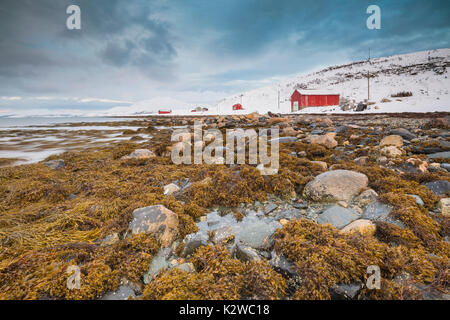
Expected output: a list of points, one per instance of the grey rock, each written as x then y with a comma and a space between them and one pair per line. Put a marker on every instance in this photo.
345, 291
223, 234
192, 242
439, 187
337, 216
284, 139
282, 265
444, 155
378, 211
55, 164
270, 207
405, 134
159, 262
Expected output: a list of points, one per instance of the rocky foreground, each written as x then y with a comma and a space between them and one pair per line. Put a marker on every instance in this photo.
351, 192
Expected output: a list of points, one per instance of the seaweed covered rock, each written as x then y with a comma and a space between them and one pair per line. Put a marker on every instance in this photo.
55, 164
157, 220
139, 154
335, 185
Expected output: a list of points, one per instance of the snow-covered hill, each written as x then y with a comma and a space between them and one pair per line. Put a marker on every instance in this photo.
422, 73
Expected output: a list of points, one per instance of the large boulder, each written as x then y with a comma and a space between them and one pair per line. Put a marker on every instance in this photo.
337, 216
335, 186
158, 220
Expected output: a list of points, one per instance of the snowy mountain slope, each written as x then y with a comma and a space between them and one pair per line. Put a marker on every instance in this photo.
422, 73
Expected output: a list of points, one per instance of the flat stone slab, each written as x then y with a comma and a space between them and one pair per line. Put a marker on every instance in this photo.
337, 216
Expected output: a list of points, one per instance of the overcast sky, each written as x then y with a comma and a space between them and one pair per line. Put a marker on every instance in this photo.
193, 50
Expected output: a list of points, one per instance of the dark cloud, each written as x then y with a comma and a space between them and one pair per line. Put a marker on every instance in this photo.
215, 42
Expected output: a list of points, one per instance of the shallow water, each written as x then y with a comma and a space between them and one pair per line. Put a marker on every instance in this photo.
34, 139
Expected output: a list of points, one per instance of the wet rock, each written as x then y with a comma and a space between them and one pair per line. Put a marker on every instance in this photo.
282, 265
257, 234
223, 234
405, 134
246, 253
335, 185
345, 291
139, 154
439, 187
157, 220
444, 206
170, 189
443, 155
289, 214
123, 293
284, 139
55, 164
159, 263
337, 216
378, 211
192, 242
326, 140
270, 207
362, 226
446, 166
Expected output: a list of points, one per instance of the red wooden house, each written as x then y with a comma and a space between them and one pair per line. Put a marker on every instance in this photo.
238, 106
313, 98
164, 111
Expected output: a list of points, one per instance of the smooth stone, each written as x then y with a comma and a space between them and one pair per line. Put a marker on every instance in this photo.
443, 155
335, 185
246, 253
337, 216
345, 291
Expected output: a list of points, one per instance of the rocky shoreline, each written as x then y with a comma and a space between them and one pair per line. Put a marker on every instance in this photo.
352, 191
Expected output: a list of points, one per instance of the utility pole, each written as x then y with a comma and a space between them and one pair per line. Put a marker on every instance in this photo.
368, 80
278, 97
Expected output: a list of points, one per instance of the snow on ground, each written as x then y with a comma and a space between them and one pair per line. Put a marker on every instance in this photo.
422, 73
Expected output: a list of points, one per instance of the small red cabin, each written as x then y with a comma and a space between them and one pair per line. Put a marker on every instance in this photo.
238, 106
313, 98
164, 111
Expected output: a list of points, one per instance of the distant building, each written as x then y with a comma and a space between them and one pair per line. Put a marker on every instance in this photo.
238, 106
313, 98
164, 111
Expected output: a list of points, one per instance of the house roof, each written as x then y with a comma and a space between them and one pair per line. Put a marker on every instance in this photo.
317, 92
